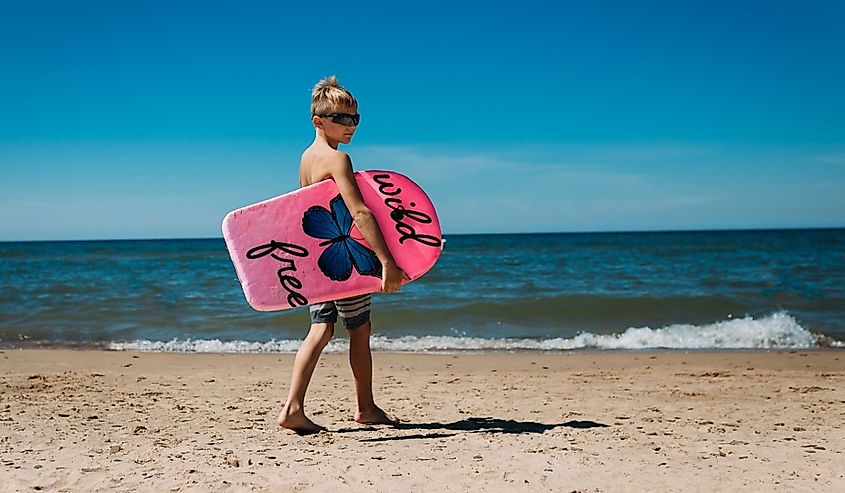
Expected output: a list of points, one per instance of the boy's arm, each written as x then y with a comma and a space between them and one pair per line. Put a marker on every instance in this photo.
341, 171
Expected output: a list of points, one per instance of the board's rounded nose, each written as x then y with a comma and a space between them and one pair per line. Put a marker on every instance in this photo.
228, 225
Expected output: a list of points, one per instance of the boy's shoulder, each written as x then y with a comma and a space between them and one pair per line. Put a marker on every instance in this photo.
317, 164
337, 160
325, 154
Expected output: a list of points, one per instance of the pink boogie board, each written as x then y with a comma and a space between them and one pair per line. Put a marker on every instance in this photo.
303, 247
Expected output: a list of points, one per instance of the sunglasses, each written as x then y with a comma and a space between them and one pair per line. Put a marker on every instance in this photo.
345, 119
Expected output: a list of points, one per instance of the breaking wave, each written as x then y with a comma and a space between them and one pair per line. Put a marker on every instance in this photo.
777, 331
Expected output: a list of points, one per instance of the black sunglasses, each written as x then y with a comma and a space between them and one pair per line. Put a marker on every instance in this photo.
345, 119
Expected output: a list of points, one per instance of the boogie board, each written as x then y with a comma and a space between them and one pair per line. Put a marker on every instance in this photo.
303, 247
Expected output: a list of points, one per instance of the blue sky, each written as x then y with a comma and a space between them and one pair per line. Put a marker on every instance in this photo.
154, 119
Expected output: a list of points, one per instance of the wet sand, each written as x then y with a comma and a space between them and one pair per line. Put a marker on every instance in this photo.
610, 421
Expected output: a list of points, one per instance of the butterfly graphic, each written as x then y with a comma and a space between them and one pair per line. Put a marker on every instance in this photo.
343, 251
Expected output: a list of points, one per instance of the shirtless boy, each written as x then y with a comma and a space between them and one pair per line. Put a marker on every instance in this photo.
334, 113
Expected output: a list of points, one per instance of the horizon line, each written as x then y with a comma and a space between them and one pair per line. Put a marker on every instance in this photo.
524, 233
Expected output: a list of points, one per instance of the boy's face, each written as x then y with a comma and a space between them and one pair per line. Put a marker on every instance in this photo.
338, 132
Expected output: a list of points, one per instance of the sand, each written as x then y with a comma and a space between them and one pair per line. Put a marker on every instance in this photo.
583, 421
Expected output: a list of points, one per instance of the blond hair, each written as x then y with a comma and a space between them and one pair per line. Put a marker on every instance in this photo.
328, 95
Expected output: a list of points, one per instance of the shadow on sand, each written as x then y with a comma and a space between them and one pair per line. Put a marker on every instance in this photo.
474, 425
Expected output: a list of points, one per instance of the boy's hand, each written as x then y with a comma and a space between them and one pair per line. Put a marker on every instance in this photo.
392, 277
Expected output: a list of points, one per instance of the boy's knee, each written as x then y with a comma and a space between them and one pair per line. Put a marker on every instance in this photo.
362, 330
323, 332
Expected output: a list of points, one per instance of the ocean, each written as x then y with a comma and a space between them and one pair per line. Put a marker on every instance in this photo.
507, 292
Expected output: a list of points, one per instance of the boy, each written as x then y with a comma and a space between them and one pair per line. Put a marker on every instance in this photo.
334, 113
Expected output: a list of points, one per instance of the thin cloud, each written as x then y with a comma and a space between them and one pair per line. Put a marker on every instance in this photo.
829, 158
440, 164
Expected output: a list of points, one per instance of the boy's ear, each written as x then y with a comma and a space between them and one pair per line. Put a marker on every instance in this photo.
317, 121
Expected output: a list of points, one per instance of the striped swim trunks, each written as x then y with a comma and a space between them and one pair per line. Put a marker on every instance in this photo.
354, 311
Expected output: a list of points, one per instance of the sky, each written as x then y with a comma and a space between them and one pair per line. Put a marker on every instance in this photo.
155, 119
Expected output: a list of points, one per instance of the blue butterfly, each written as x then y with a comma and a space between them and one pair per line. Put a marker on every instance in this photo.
343, 251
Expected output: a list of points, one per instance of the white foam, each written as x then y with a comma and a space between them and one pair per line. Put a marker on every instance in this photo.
776, 331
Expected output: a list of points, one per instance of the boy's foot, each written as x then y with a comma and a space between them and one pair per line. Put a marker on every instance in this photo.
376, 416
299, 423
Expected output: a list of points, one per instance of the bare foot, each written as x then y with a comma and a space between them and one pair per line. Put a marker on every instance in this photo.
298, 422
375, 416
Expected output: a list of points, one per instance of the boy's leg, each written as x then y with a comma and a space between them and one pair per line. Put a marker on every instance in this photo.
361, 360
293, 414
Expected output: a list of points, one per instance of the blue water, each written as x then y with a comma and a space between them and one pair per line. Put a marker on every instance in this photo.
755, 289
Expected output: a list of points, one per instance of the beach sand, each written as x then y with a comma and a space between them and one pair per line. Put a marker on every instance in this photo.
583, 421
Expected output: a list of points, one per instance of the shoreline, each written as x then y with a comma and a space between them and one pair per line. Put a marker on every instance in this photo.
338, 345
107, 347
603, 420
